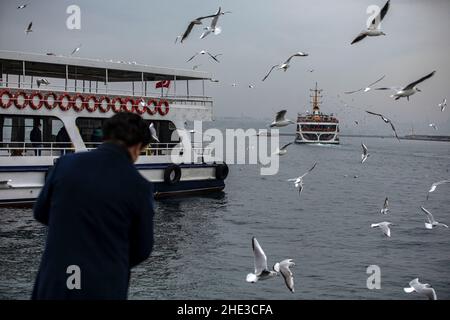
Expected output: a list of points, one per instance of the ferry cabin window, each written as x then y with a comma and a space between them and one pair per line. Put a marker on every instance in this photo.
16, 136
91, 132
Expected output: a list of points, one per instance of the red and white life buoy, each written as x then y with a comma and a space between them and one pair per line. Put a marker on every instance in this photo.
128, 105
6, 99
91, 104
164, 103
140, 106
104, 104
36, 100
50, 101
65, 102
116, 104
78, 103
21, 99
152, 106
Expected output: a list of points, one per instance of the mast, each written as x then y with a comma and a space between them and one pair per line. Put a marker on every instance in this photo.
315, 99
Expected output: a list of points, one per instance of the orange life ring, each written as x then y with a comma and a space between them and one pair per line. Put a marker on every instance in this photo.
101, 104
21, 99
6, 99
50, 101
64, 106
116, 104
166, 107
36, 104
91, 103
128, 105
138, 107
151, 102
78, 103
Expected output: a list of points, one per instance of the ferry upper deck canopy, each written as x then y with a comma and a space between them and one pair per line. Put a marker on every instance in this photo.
57, 66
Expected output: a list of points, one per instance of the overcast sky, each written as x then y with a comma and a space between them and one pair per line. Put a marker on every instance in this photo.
256, 35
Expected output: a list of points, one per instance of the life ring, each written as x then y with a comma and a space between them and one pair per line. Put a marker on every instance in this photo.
222, 171
91, 104
6, 99
78, 103
172, 174
65, 102
128, 105
116, 104
21, 99
154, 103
36, 101
104, 104
166, 107
50, 101
138, 107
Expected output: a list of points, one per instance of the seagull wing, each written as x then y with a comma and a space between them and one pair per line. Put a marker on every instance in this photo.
188, 31
190, 59
216, 18
297, 54
265, 77
312, 168
377, 81
280, 115
429, 292
413, 84
364, 148
153, 132
359, 37
374, 113
376, 21
393, 129
213, 57
286, 145
350, 92
385, 228
429, 215
287, 273
260, 257
386, 203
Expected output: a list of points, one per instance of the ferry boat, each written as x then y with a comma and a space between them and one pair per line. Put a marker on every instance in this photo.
317, 127
67, 99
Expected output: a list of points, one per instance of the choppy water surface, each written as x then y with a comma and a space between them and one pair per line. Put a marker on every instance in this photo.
203, 244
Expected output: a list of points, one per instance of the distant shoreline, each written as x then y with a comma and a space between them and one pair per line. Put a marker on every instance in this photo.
407, 137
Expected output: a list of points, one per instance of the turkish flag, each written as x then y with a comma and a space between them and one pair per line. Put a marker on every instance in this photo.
162, 84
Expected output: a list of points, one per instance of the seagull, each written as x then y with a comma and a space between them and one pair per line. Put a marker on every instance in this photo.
366, 89
283, 150
384, 226
280, 120
356, 122
298, 182
422, 288
431, 222
50, 54
29, 28
191, 25
152, 129
433, 125
205, 52
261, 270
22, 6
435, 185
365, 153
386, 120
385, 209
213, 28
285, 65
196, 66
283, 268
251, 86
75, 50
214, 80
443, 104
42, 81
408, 90
374, 29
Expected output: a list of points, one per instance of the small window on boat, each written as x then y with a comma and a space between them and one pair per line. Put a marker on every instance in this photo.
30, 135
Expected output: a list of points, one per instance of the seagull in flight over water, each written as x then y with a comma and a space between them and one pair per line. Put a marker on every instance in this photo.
366, 89
365, 153
283, 150
386, 120
213, 28
384, 226
283, 267
409, 90
435, 185
285, 65
374, 29
280, 120
431, 221
262, 272
421, 288
385, 209
298, 182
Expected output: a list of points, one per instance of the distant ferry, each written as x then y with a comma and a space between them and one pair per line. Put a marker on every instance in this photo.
317, 127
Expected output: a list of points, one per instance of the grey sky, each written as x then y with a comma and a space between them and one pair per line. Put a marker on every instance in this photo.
257, 35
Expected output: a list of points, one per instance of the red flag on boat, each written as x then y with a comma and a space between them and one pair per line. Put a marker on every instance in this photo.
162, 84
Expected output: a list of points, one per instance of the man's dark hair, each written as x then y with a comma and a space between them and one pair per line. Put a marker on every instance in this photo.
126, 128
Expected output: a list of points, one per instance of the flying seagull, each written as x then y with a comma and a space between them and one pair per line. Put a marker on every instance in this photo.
374, 29
22, 6
251, 86
283, 267
409, 90
285, 65
384, 226
75, 50
443, 104
435, 185
280, 120
385, 209
283, 150
366, 89
152, 129
421, 288
197, 21
298, 182
261, 270
42, 81
433, 125
386, 120
29, 28
431, 222
365, 153
214, 57
213, 28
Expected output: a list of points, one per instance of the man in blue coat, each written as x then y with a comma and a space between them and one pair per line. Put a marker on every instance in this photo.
99, 213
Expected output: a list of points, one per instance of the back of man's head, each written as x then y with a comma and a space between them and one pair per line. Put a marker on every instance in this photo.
126, 128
